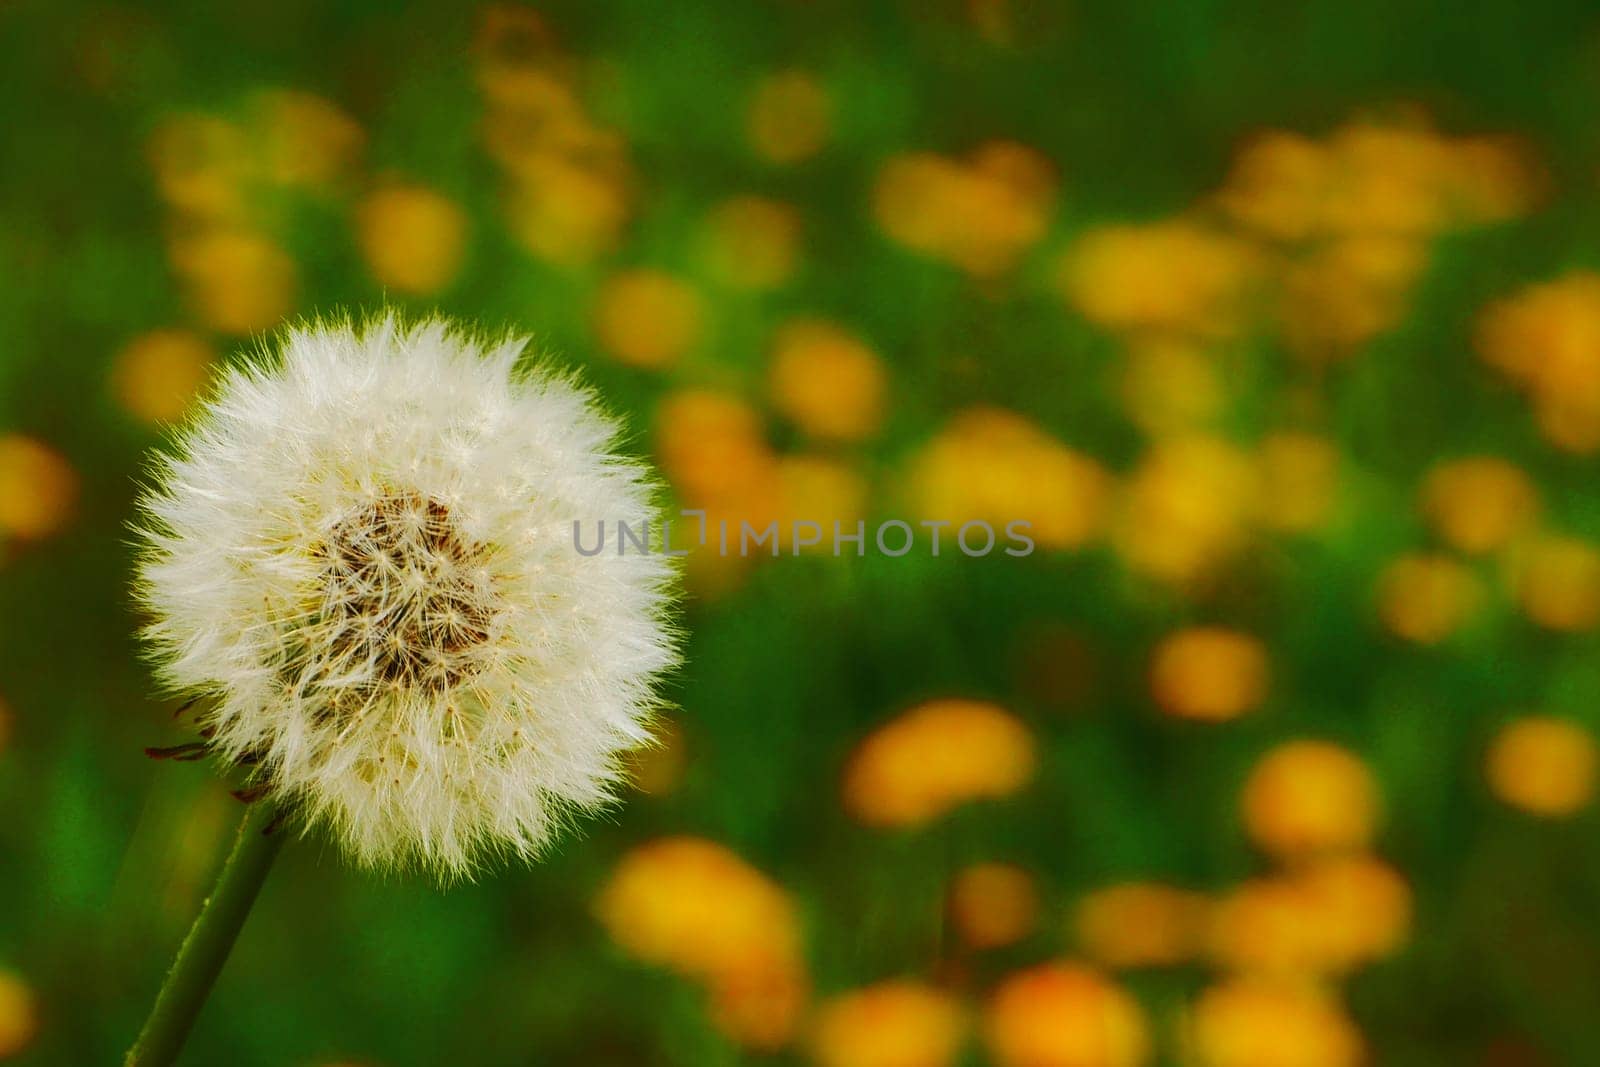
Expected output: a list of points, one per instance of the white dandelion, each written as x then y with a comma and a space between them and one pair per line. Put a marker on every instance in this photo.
360, 552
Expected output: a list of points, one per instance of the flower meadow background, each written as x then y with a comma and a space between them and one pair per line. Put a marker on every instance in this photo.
1281, 326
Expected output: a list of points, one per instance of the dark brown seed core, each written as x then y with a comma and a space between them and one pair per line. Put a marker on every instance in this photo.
406, 594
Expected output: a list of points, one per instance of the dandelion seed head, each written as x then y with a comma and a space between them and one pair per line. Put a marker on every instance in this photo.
361, 550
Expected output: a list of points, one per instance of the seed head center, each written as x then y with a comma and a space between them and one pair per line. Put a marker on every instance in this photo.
406, 594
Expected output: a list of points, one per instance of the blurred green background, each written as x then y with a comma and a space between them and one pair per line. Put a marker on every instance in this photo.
1276, 322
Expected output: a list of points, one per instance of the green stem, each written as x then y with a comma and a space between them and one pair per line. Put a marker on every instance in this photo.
210, 939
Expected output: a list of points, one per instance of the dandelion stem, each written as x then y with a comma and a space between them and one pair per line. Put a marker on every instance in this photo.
210, 939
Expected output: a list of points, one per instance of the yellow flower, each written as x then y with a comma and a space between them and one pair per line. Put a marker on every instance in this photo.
1546, 339
1171, 386
157, 374
1177, 276
979, 214
761, 1008
712, 445
1209, 673
202, 165
789, 117
1065, 1015
1299, 480
1362, 908
1267, 926
1479, 503
1141, 924
413, 238
753, 242
1306, 797
1426, 597
237, 281
647, 318
19, 1015
1277, 185
1543, 765
304, 139
995, 466
827, 381
1347, 292
891, 1024
566, 209
1387, 178
935, 757
1247, 1022
1557, 582
38, 488
1189, 507
1494, 178
992, 904
820, 490
513, 47
1325, 918
692, 906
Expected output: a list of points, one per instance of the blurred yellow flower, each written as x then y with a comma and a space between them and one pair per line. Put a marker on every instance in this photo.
1543, 765
692, 906
1299, 480
1064, 1015
304, 139
821, 490
1267, 926
1171, 386
648, 318
826, 380
1141, 924
1177, 276
566, 210
1188, 507
892, 1024
1493, 178
512, 46
1425, 597
1209, 673
1479, 503
19, 1015
761, 1008
712, 445
1348, 291
1277, 185
1362, 909
753, 242
1387, 177
995, 466
237, 281
158, 373
1248, 1022
1546, 339
1306, 797
1325, 918
695, 907
413, 238
935, 757
202, 165
789, 117
1557, 582
38, 488
979, 214
992, 904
